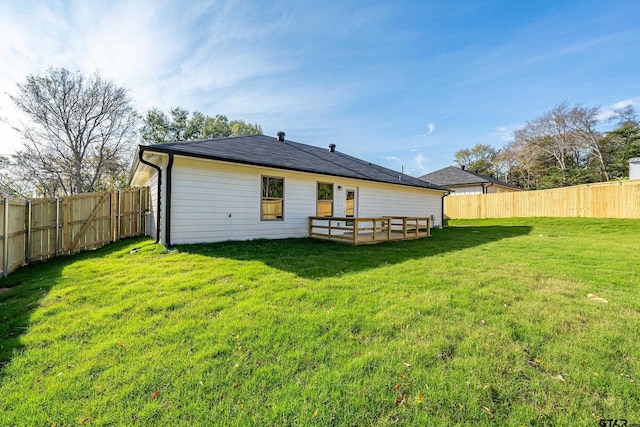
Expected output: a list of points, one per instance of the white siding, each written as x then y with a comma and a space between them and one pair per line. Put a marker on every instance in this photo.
216, 201
634, 168
152, 217
477, 189
471, 189
501, 189
376, 200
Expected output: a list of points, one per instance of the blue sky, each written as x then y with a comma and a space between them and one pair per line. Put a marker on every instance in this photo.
398, 83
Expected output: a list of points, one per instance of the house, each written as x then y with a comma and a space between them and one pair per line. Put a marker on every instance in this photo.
248, 187
463, 182
634, 168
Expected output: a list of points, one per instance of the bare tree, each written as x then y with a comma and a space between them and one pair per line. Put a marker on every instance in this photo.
583, 122
9, 185
523, 160
81, 132
552, 134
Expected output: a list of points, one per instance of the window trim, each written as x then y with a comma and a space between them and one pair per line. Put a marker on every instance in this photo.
262, 177
332, 200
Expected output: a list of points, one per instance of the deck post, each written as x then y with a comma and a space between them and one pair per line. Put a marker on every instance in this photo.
329, 222
310, 226
375, 228
388, 228
355, 231
404, 227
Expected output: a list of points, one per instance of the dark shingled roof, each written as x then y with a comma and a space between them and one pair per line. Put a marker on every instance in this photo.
261, 150
452, 175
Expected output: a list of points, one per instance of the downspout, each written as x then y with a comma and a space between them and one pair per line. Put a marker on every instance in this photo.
484, 189
157, 168
167, 232
445, 194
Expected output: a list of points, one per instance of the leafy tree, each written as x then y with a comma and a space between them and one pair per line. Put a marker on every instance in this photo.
80, 134
159, 127
480, 158
622, 143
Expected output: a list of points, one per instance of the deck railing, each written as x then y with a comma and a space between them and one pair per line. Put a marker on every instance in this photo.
359, 231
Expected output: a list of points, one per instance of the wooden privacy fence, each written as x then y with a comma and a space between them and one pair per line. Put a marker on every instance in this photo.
33, 230
620, 199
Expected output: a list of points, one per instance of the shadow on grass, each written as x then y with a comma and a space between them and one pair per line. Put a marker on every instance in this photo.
25, 288
311, 258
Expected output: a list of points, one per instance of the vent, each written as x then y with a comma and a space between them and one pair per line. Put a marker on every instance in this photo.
280, 136
332, 148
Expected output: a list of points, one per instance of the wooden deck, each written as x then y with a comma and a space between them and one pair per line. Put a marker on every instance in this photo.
361, 231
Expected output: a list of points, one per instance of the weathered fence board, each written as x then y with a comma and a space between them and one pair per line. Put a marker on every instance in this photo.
33, 230
620, 199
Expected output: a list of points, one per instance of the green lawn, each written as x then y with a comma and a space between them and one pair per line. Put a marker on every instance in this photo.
485, 323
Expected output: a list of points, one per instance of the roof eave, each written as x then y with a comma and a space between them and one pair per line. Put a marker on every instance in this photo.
164, 150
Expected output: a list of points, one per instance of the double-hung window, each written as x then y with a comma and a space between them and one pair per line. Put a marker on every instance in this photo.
272, 199
324, 205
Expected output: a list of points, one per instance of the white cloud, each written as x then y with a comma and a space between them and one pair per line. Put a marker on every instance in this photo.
609, 111
420, 160
216, 57
430, 128
503, 134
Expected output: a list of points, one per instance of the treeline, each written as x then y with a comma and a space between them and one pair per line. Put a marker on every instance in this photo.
82, 131
564, 146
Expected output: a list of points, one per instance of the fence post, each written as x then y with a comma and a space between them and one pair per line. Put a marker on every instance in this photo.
119, 213
140, 214
66, 224
29, 226
5, 242
57, 248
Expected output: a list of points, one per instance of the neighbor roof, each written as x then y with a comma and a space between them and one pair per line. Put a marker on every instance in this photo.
452, 175
267, 151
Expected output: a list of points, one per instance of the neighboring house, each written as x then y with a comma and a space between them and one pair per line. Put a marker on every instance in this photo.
462, 182
634, 168
248, 187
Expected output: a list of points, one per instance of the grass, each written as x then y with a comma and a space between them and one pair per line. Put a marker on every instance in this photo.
485, 323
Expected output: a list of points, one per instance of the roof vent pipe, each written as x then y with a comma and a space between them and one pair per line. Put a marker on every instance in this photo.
462, 167
332, 148
280, 136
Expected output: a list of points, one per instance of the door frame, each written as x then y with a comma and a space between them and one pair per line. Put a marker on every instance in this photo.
347, 190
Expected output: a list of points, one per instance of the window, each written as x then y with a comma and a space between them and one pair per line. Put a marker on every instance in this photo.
324, 206
272, 205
